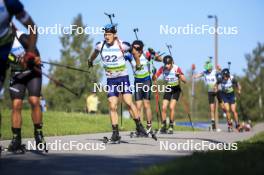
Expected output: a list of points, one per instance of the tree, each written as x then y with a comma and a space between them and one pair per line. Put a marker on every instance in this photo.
251, 102
75, 51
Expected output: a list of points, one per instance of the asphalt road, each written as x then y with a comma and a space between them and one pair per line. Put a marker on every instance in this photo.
88, 155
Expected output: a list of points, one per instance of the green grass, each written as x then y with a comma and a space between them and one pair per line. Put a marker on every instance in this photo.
248, 159
62, 123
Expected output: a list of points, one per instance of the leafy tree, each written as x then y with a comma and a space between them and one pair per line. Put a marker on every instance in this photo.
251, 101
75, 51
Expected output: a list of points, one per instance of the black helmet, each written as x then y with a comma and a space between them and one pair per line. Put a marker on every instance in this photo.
138, 42
225, 72
168, 59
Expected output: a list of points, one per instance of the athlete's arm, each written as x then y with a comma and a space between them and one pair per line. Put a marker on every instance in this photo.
158, 73
95, 53
16, 8
237, 85
137, 59
180, 75
199, 75
27, 21
151, 54
182, 78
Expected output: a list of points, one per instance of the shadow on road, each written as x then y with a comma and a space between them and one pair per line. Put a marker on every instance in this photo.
61, 164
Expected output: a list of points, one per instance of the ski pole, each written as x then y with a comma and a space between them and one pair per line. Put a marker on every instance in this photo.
121, 111
158, 110
135, 31
169, 48
110, 16
229, 65
57, 82
187, 110
64, 66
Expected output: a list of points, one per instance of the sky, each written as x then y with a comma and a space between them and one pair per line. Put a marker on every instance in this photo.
187, 49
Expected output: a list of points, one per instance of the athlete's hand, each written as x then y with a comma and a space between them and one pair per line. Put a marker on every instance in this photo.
139, 67
30, 60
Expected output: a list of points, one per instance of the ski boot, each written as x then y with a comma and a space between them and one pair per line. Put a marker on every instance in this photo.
150, 132
230, 127
170, 130
163, 129
140, 130
40, 142
213, 125
115, 138
15, 145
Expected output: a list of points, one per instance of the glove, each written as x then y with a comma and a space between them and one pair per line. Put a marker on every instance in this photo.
30, 60
151, 51
139, 67
90, 63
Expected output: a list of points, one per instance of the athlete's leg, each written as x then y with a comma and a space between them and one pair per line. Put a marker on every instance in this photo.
112, 102
212, 111
127, 98
36, 113
173, 103
139, 105
34, 90
228, 116
234, 111
16, 113
15, 143
165, 104
147, 107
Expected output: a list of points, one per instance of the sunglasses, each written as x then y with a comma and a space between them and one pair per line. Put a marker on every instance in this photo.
137, 48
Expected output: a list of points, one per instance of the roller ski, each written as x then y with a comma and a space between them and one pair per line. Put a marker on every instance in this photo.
147, 133
16, 147
40, 142
141, 132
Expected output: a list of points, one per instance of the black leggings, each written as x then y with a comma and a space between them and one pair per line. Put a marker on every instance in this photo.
32, 82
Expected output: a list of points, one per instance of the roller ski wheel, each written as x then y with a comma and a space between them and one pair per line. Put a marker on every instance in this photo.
107, 140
